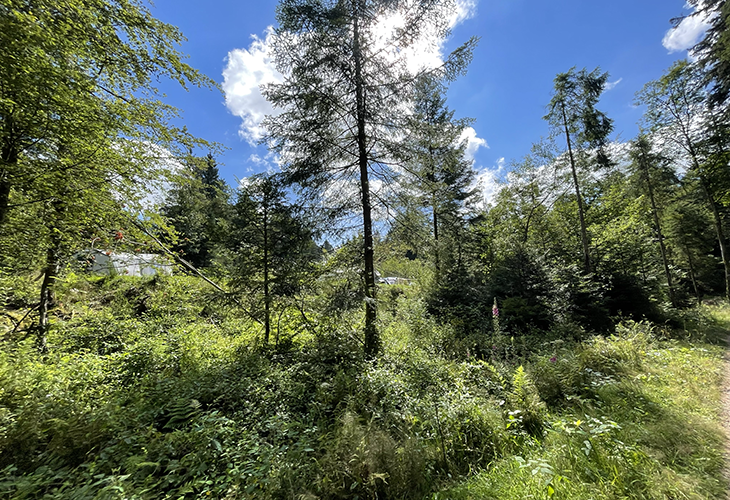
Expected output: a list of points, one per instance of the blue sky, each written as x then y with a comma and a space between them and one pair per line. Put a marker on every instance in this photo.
524, 44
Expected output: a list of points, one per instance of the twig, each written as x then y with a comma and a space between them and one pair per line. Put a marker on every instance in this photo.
17, 324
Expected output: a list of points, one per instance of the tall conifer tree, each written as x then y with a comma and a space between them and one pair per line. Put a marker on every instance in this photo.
572, 113
438, 168
344, 99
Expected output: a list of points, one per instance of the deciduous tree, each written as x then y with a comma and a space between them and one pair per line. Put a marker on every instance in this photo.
81, 127
677, 113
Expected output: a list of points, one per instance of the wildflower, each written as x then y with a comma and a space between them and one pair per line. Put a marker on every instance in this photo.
495, 318
553, 359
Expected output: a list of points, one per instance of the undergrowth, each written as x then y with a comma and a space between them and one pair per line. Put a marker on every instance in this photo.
158, 388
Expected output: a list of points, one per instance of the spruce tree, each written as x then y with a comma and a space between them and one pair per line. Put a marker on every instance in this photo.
272, 245
437, 168
572, 113
198, 209
343, 101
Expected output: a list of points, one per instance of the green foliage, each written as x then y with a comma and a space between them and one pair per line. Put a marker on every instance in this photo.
635, 422
16, 291
528, 410
272, 248
79, 111
198, 210
169, 404
369, 463
520, 361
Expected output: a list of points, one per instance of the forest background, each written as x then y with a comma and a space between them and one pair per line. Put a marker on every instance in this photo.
436, 343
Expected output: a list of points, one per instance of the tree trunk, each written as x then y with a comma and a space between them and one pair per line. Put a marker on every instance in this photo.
437, 262
372, 341
581, 214
658, 228
9, 158
692, 273
267, 295
720, 232
50, 273
717, 219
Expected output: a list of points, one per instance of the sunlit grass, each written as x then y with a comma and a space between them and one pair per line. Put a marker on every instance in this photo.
662, 437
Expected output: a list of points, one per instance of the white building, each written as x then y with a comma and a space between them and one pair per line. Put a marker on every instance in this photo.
125, 264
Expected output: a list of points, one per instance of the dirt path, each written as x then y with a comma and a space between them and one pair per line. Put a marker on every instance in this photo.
726, 417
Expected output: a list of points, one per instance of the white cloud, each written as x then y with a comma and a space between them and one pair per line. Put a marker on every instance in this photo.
257, 160
612, 85
247, 69
489, 186
465, 9
473, 142
488, 183
245, 72
687, 34
427, 51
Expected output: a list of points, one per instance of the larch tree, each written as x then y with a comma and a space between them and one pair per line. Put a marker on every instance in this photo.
348, 80
572, 114
677, 113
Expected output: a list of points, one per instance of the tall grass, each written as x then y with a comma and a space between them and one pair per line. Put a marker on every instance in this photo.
177, 399
631, 416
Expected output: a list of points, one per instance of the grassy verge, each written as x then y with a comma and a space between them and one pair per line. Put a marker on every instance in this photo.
645, 423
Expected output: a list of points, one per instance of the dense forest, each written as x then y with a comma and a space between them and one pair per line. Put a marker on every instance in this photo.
358, 323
